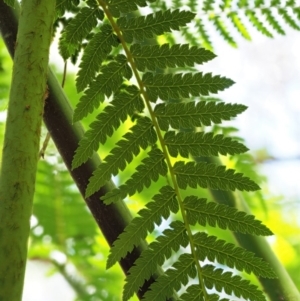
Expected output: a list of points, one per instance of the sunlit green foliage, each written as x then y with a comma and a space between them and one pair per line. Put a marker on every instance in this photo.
106, 77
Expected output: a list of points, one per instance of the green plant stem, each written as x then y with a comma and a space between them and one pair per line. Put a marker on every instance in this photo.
282, 288
57, 116
21, 142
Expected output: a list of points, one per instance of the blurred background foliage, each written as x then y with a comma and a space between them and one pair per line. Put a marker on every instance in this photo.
65, 235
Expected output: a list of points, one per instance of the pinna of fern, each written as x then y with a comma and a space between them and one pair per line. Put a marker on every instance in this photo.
117, 52
228, 17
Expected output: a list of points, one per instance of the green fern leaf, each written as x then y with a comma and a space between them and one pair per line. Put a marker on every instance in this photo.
225, 4
203, 212
155, 255
257, 24
141, 136
94, 54
65, 5
168, 86
238, 24
288, 19
201, 144
297, 12
124, 6
226, 253
141, 28
156, 56
242, 3
150, 169
164, 286
11, 3
212, 176
125, 103
221, 27
107, 82
65, 49
272, 21
190, 115
163, 204
215, 278
205, 39
82, 24
195, 293
208, 5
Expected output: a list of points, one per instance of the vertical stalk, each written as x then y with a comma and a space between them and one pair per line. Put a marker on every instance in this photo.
21, 141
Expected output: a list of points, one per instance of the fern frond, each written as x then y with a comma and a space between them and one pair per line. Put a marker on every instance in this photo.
257, 23
65, 5
202, 212
108, 81
173, 86
272, 21
125, 103
145, 27
288, 19
94, 54
117, 7
208, 5
212, 176
205, 39
201, 144
141, 136
190, 115
164, 203
154, 256
195, 293
172, 279
82, 24
220, 280
239, 25
156, 56
149, 170
118, 51
221, 27
226, 253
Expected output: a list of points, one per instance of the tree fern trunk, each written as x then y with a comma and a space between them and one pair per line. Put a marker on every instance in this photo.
21, 142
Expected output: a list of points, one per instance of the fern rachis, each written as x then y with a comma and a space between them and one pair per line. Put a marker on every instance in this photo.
158, 129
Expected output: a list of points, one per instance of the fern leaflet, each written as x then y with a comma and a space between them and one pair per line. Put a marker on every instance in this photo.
82, 24
117, 7
201, 144
163, 204
212, 176
110, 78
215, 278
225, 253
198, 210
141, 136
189, 115
169, 86
141, 28
155, 56
94, 54
125, 103
173, 278
155, 255
150, 169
